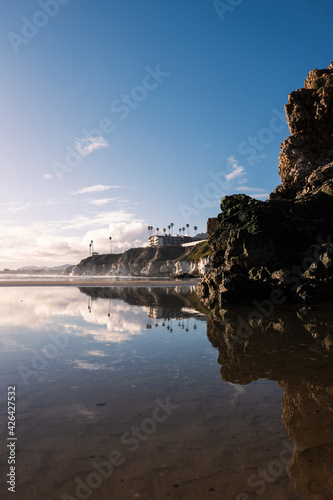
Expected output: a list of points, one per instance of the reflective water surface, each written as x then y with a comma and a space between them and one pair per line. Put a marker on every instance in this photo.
141, 393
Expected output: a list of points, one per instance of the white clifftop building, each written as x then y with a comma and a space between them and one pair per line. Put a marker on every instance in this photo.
166, 239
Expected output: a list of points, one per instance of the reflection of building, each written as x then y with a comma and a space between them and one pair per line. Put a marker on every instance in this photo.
163, 312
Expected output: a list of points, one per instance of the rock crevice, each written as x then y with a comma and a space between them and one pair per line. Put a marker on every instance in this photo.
284, 243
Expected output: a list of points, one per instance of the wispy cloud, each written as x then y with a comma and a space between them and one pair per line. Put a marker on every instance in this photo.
253, 192
95, 189
47, 176
105, 201
14, 207
237, 170
88, 145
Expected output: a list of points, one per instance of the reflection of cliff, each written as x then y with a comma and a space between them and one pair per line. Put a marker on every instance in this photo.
169, 301
295, 349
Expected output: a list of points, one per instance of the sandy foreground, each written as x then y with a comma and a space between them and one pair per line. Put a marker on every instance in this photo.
99, 282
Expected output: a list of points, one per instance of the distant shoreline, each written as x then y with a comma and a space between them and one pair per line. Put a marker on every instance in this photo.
101, 282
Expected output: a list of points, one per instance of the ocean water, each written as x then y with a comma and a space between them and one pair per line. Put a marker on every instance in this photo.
140, 393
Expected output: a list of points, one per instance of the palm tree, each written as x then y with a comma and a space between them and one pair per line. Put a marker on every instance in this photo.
180, 231
164, 231
188, 230
183, 229
92, 247
110, 238
195, 230
157, 230
171, 225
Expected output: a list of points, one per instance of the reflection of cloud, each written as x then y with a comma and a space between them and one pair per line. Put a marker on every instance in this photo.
96, 353
124, 321
239, 390
65, 310
88, 366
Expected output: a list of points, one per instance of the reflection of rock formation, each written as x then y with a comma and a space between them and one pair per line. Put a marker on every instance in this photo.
163, 302
295, 349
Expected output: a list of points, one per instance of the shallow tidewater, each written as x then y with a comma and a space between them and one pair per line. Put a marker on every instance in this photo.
129, 376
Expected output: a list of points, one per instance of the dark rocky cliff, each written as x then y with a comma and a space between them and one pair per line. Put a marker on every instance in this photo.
281, 249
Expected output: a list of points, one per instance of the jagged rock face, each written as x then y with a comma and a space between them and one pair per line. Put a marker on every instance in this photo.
310, 118
285, 243
277, 245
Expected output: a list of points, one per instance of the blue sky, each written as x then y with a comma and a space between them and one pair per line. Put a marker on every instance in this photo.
116, 115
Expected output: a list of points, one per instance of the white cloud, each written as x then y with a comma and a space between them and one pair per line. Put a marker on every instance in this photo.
253, 192
237, 170
44, 243
105, 201
47, 176
90, 144
14, 207
95, 189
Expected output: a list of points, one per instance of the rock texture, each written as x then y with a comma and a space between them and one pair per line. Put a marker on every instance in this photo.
282, 245
310, 118
167, 261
